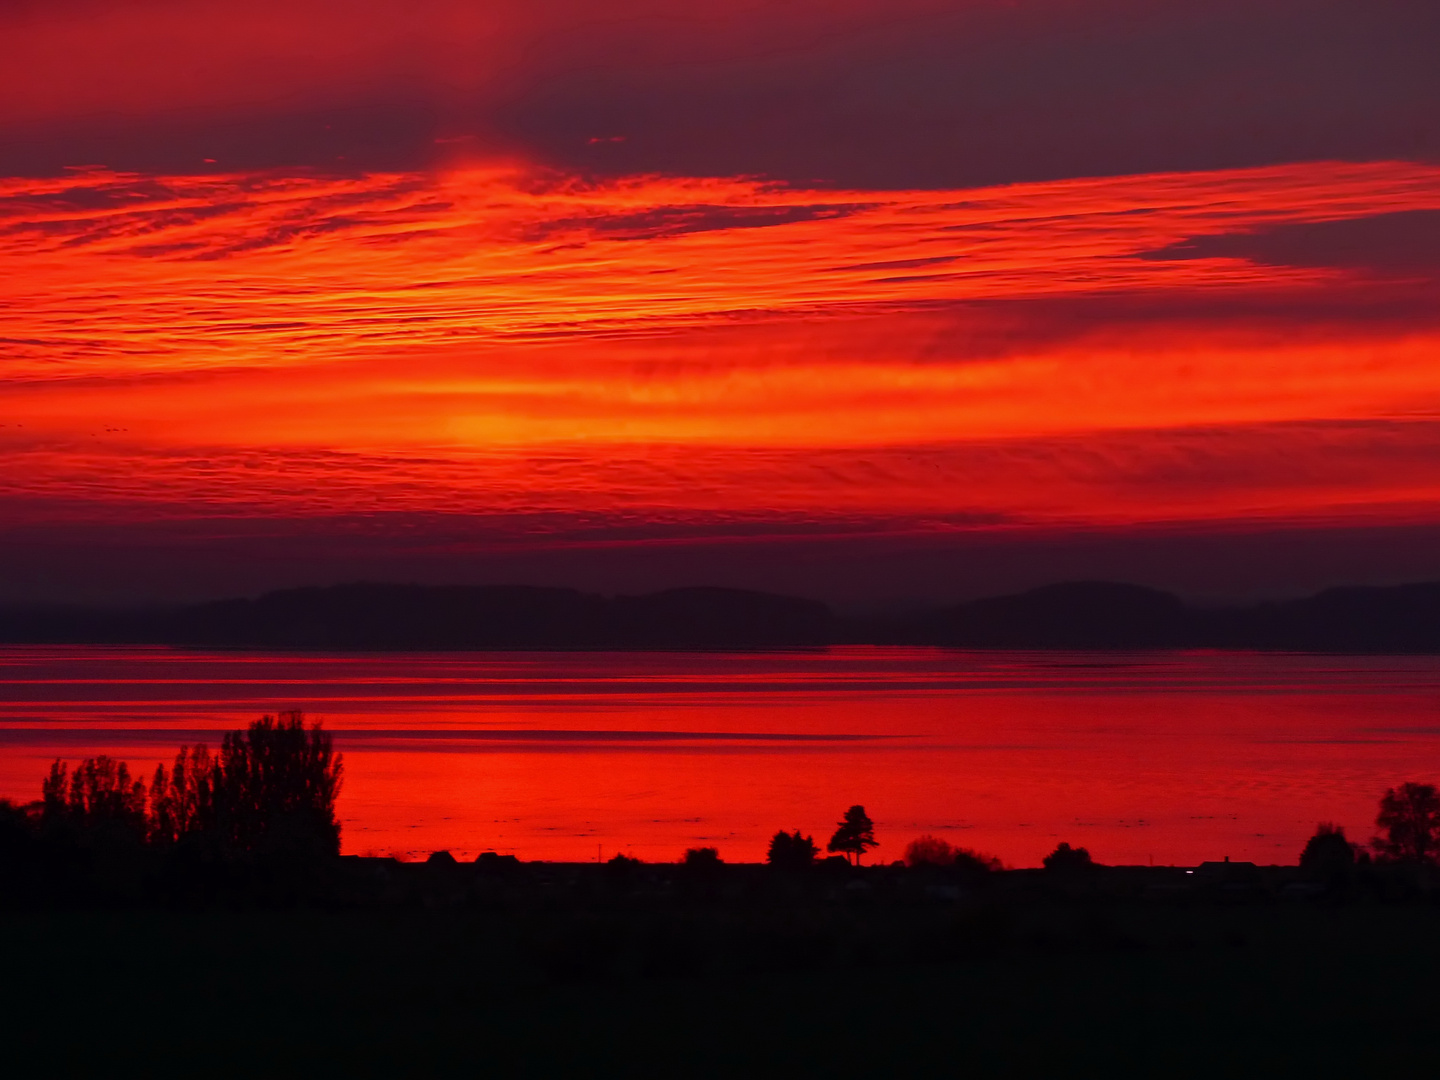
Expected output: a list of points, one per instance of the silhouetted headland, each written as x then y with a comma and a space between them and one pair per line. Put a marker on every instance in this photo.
1072, 615
384, 616
1102, 615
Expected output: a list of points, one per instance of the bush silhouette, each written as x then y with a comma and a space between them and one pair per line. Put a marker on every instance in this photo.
929, 850
854, 835
1064, 857
1410, 816
1327, 851
701, 858
974, 862
791, 851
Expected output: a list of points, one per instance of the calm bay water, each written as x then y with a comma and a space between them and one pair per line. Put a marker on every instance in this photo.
1177, 757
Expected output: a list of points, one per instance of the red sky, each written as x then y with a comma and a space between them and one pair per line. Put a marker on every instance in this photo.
866, 301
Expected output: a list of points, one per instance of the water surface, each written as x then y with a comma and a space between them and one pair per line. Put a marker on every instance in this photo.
1175, 757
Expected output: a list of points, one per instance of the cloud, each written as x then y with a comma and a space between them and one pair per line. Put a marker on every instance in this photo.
1328, 472
1307, 523
653, 224
892, 95
535, 359
131, 273
1401, 243
453, 281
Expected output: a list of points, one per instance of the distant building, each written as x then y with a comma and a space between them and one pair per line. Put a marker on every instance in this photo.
1227, 873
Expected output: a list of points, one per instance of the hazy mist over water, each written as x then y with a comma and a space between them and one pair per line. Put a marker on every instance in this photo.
1178, 757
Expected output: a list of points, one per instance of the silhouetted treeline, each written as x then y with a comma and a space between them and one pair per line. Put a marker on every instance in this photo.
269, 791
266, 800
1076, 615
256, 823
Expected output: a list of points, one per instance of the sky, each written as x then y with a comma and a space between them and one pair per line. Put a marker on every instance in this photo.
881, 303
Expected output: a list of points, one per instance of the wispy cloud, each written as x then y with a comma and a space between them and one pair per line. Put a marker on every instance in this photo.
504, 356
107, 272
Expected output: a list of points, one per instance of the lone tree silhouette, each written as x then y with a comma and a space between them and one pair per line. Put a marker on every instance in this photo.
854, 835
791, 851
1410, 816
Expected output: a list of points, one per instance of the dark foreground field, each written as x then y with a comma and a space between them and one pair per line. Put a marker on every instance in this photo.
1037, 990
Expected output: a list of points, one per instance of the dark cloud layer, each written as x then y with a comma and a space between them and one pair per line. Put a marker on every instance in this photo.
87, 547
869, 94
679, 220
929, 95
1036, 91
1403, 243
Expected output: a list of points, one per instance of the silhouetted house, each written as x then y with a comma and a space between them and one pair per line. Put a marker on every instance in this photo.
491, 860
1227, 873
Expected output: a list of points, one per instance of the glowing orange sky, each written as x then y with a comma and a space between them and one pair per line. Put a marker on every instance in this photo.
464, 275
885, 302
501, 337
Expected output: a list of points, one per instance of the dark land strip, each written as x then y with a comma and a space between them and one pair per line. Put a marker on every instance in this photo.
205, 924
534, 969
1074, 615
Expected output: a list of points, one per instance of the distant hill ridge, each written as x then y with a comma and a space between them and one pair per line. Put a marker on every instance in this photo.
387, 616
1105, 615
1070, 615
